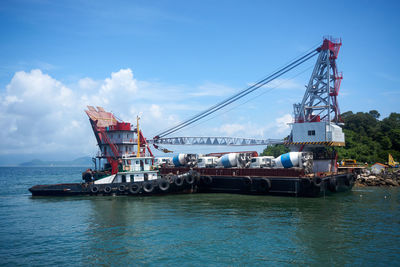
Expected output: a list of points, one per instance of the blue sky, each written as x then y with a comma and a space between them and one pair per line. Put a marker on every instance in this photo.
167, 60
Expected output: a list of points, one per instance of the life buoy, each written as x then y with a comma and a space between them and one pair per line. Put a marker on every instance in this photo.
107, 189
178, 181
317, 181
134, 188
333, 184
163, 185
148, 187
121, 188
94, 189
264, 185
189, 179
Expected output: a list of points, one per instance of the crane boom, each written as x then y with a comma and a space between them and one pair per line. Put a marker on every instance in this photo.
215, 141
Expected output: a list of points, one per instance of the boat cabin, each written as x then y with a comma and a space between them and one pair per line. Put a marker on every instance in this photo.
133, 170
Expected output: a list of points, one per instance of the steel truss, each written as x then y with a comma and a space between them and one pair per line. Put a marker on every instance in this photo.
215, 141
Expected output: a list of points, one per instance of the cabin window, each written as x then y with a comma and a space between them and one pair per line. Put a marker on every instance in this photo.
147, 161
253, 160
200, 160
123, 178
311, 132
132, 177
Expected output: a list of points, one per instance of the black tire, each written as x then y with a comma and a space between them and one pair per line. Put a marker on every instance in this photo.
94, 189
134, 188
247, 182
207, 180
264, 185
305, 181
121, 188
163, 184
333, 184
148, 187
317, 181
107, 189
189, 179
178, 181
348, 179
170, 178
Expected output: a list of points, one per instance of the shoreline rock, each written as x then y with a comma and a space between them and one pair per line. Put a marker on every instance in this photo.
387, 179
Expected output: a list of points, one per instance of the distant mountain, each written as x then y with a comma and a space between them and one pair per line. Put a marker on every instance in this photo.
83, 161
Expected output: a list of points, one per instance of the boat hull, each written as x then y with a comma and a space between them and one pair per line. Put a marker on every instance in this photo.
268, 182
127, 189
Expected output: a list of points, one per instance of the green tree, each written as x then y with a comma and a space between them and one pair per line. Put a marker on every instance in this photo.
275, 150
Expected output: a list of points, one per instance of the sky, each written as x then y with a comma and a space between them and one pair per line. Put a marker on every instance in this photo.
168, 60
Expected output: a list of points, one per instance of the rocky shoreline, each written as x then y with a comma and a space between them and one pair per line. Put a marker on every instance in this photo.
389, 179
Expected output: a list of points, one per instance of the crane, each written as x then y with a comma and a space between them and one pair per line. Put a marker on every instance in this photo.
319, 104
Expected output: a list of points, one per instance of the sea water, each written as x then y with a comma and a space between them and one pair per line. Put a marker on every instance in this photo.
361, 227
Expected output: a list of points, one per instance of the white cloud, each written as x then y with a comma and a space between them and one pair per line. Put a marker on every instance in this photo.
41, 114
282, 123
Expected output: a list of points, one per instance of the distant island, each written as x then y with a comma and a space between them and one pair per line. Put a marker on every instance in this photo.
79, 162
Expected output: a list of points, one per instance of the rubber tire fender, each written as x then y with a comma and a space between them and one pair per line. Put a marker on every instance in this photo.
264, 184
163, 184
247, 181
134, 188
189, 179
333, 184
207, 180
178, 181
148, 187
348, 179
94, 189
170, 178
317, 181
122, 188
107, 189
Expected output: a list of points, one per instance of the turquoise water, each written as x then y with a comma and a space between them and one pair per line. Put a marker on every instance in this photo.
361, 227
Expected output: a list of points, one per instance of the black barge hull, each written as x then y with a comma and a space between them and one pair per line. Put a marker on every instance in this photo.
241, 181
149, 188
287, 182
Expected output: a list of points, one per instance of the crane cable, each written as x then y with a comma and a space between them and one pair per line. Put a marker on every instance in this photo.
239, 95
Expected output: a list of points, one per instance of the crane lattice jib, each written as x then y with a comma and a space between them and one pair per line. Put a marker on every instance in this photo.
320, 99
215, 141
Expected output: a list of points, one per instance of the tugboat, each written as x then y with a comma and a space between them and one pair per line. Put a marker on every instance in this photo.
123, 173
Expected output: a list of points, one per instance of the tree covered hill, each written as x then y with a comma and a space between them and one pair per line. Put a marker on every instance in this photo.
368, 139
